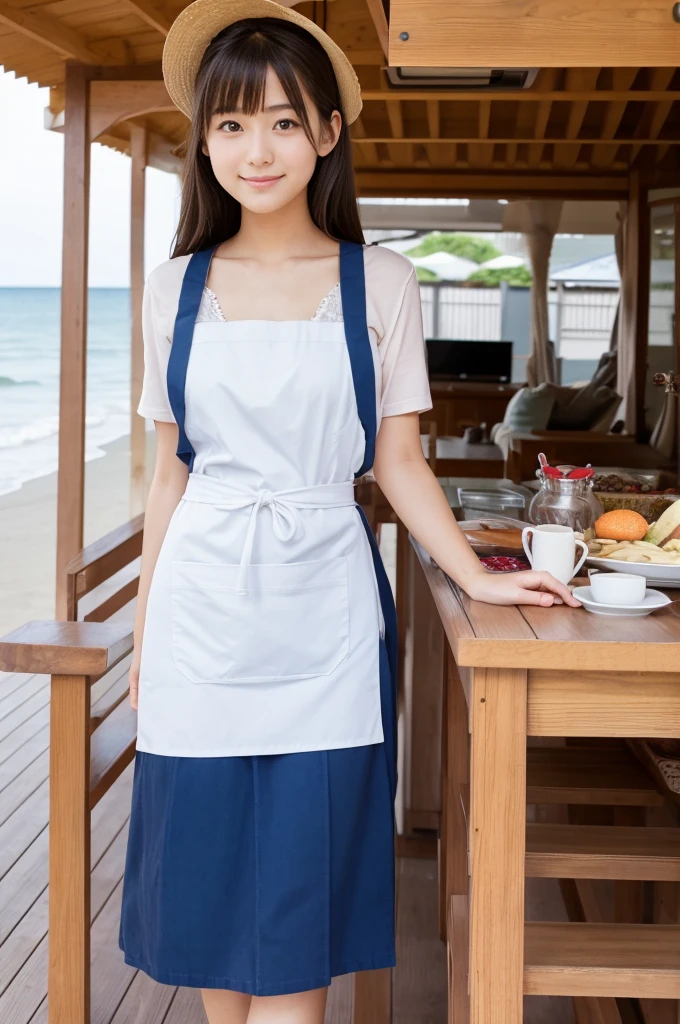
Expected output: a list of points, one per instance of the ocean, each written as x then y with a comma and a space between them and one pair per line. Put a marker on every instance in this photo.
29, 378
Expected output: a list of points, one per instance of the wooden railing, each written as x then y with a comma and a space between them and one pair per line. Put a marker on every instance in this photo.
89, 751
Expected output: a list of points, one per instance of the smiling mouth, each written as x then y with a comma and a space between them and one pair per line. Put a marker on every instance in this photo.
261, 182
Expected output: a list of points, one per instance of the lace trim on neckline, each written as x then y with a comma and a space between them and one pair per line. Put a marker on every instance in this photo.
329, 309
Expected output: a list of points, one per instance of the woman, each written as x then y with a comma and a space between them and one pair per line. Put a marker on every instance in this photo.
283, 359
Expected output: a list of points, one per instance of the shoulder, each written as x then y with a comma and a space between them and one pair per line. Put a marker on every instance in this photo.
161, 298
163, 287
392, 289
387, 268
166, 278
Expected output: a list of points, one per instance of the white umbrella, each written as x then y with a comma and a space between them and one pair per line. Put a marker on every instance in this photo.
504, 262
446, 266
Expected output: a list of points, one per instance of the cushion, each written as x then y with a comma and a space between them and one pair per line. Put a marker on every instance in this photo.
582, 408
529, 409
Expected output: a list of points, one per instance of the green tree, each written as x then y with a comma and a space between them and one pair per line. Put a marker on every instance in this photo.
478, 249
519, 276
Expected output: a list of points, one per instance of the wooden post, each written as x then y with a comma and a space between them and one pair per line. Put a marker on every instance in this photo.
71, 472
676, 333
137, 426
68, 979
637, 248
497, 845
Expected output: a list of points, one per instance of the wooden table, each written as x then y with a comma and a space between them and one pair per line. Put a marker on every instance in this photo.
516, 673
455, 457
460, 404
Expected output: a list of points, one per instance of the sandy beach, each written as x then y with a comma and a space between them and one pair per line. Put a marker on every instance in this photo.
28, 523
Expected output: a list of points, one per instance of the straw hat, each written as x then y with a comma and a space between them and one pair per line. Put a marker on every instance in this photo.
196, 25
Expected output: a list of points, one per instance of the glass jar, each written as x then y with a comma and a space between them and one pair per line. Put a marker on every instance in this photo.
565, 502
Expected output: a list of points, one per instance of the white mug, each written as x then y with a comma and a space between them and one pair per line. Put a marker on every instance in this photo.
553, 550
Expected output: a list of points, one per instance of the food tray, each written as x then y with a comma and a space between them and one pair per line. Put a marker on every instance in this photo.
503, 559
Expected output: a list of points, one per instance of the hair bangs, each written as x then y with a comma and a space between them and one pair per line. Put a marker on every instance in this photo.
236, 80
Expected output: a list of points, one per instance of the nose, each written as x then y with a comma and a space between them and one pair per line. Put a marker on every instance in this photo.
259, 152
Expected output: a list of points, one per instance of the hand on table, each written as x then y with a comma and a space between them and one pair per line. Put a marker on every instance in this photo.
528, 587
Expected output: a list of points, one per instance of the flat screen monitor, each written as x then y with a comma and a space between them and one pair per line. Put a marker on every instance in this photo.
481, 361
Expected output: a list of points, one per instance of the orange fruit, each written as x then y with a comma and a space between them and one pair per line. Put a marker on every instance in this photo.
621, 524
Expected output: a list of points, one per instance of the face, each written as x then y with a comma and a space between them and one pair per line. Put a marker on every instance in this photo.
266, 160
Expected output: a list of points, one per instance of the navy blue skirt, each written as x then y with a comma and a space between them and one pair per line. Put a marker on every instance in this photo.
268, 874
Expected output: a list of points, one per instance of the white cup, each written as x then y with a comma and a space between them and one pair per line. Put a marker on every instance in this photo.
553, 550
618, 588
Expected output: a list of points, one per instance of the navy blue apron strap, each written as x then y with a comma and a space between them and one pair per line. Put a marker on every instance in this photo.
190, 295
353, 297
389, 708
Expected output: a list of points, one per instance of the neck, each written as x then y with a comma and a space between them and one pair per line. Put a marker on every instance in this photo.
277, 236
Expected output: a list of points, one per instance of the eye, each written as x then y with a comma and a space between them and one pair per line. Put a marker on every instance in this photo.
233, 127
288, 121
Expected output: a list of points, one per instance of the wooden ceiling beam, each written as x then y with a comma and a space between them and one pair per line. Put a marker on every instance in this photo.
547, 86
524, 95
55, 35
484, 118
368, 150
396, 119
655, 115
112, 102
402, 151
498, 185
481, 153
604, 156
151, 15
379, 18
427, 140
443, 156
433, 118
578, 80
434, 129
532, 33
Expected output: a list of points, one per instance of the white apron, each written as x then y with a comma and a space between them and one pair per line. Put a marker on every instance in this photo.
263, 617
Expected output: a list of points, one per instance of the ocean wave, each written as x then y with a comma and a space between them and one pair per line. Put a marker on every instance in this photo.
29, 432
10, 382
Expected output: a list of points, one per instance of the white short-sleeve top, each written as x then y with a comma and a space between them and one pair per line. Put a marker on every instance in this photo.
394, 317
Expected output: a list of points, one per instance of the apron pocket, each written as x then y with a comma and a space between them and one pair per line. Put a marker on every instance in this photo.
292, 623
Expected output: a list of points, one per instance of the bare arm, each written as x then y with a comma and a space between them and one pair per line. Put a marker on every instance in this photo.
412, 490
167, 487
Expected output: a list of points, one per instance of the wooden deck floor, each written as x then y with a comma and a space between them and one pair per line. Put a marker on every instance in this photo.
120, 994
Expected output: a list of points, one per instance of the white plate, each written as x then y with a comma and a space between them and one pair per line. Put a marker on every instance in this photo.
655, 572
653, 600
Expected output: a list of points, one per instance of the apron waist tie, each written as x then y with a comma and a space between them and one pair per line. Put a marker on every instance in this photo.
284, 507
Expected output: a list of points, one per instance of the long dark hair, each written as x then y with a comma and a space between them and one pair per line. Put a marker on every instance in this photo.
233, 71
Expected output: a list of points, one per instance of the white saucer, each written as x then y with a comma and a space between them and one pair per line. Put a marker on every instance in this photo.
654, 599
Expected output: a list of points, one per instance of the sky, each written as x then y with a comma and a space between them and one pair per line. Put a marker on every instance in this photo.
31, 200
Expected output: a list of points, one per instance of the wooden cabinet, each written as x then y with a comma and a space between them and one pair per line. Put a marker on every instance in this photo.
457, 405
